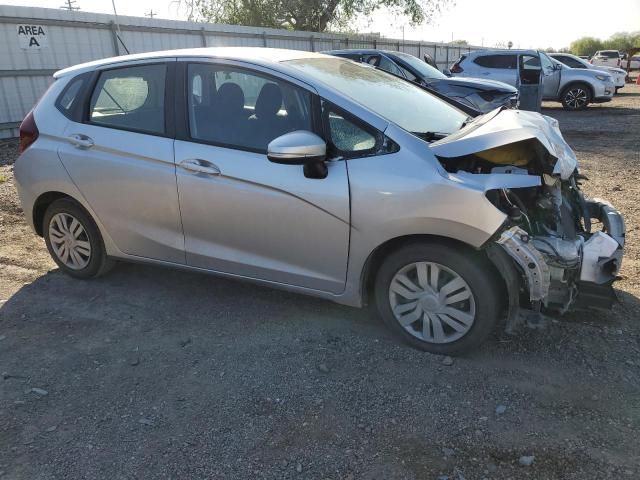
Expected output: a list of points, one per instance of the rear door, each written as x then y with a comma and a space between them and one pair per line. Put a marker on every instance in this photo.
242, 214
498, 66
120, 156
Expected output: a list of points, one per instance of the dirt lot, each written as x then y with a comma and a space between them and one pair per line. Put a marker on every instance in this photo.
152, 373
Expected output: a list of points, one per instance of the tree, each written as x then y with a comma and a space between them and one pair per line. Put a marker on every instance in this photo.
623, 41
585, 46
462, 43
311, 15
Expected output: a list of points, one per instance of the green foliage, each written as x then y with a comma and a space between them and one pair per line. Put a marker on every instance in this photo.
622, 41
308, 15
586, 46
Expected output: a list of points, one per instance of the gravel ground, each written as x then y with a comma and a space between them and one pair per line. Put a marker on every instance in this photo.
154, 373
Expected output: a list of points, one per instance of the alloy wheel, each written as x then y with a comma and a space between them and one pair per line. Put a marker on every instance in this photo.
576, 98
432, 302
69, 241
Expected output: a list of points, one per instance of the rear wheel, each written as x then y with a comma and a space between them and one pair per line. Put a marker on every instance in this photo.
73, 240
437, 298
576, 97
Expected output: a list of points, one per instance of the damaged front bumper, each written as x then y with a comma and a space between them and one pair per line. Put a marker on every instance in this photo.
541, 275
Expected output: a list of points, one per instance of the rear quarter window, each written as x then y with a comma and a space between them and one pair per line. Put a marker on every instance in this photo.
497, 61
68, 100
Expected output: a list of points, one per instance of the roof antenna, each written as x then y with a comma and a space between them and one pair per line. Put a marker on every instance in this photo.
119, 34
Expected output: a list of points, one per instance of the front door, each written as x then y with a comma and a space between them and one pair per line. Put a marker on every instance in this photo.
242, 214
120, 156
550, 77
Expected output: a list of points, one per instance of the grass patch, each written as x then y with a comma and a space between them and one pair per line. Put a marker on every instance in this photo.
3, 178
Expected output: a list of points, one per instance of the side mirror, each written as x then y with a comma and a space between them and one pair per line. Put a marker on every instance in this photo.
300, 148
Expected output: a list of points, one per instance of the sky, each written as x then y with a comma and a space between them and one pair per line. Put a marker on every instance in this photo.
528, 24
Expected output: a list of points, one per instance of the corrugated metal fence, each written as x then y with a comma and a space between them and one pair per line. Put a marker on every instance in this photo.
31, 54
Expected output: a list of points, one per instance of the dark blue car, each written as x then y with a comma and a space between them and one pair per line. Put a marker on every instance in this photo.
478, 94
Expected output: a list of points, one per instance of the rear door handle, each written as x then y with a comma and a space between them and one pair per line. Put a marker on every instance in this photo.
200, 166
80, 141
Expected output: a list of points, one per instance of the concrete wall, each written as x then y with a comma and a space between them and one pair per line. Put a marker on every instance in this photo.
75, 37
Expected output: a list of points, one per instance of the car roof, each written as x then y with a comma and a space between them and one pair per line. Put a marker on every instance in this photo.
362, 50
501, 51
257, 55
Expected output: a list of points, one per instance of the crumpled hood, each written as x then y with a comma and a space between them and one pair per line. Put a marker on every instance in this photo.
481, 84
503, 127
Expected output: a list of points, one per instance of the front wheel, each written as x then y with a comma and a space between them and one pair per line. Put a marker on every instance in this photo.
437, 298
576, 97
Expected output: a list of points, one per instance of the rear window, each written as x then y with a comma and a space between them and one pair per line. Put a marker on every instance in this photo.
610, 54
497, 61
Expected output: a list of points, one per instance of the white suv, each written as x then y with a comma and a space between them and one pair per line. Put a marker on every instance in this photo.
575, 88
618, 74
606, 58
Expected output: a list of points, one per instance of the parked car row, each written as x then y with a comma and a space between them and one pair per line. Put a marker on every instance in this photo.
482, 95
323, 176
575, 88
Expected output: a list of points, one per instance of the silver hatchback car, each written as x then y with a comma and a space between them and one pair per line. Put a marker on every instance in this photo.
322, 176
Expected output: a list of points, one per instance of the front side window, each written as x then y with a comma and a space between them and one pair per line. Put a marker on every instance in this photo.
497, 61
424, 69
243, 109
349, 137
388, 66
130, 98
570, 61
547, 63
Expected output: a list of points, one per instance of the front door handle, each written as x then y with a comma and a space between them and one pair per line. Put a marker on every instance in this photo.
80, 141
200, 166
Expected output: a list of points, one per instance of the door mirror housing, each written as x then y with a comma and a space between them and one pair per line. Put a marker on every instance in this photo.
297, 148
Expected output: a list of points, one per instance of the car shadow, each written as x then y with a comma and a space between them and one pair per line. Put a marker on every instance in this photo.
135, 299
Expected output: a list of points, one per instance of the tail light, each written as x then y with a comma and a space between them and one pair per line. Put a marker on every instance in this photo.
28, 132
456, 68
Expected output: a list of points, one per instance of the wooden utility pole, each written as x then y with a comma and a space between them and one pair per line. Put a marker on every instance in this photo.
70, 5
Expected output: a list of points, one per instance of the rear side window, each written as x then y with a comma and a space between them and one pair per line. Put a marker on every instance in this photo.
497, 61
69, 97
130, 98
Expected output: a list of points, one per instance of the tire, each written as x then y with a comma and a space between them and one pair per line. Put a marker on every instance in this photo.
475, 316
85, 256
576, 96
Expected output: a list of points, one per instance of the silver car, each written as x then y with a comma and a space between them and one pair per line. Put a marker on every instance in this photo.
618, 75
574, 88
321, 176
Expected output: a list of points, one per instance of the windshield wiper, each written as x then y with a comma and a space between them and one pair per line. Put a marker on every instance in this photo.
430, 136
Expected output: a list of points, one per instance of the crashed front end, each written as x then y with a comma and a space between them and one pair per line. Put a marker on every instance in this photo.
557, 251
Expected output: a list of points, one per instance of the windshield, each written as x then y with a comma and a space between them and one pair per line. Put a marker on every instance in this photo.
401, 102
426, 71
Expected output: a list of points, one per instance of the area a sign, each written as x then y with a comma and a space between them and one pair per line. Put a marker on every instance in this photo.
32, 37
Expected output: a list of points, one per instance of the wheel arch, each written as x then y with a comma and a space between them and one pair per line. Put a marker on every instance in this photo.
376, 257
42, 203
573, 83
